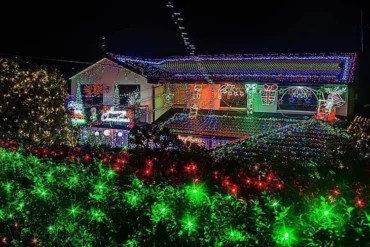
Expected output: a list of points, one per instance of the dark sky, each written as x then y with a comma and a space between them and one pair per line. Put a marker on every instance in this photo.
73, 29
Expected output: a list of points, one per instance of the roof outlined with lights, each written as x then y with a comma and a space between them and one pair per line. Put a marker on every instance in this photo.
311, 68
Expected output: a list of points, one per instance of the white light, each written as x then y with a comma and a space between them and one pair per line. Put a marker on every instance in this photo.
119, 134
97, 133
115, 116
78, 120
106, 132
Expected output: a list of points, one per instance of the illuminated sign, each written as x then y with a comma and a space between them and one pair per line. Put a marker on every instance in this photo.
115, 116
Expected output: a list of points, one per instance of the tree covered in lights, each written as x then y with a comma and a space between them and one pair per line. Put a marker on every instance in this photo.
32, 107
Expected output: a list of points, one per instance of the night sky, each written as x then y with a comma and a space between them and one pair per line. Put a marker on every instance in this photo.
73, 29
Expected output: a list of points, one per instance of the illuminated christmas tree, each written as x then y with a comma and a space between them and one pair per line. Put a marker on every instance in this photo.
116, 101
79, 95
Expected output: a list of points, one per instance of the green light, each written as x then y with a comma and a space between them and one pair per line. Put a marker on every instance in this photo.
111, 173
235, 235
326, 212
7, 187
284, 236
97, 215
51, 229
196, 193
74, 211
189, 223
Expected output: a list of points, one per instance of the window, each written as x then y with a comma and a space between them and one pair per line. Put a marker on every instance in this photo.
92, 94
129, 95
179, 91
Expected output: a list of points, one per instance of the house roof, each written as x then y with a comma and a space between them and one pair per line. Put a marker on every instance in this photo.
325, 68
225, 126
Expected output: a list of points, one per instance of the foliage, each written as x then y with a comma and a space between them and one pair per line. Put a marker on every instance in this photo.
32, 104
77, 204
153, 136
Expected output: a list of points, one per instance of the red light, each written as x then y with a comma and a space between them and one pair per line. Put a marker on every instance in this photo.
336, 192
4, 239
147, 172
360, 203
196, 180
172, 169
280, 186
234, 190
248, 181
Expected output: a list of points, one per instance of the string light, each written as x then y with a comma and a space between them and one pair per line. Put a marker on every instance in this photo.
36, 112
262, 68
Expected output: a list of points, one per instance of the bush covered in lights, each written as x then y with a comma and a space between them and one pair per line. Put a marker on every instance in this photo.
43, 202
32, 105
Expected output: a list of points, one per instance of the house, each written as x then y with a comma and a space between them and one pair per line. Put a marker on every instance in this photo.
117, 90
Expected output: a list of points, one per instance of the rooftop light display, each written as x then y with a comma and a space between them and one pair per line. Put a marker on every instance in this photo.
337, 68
